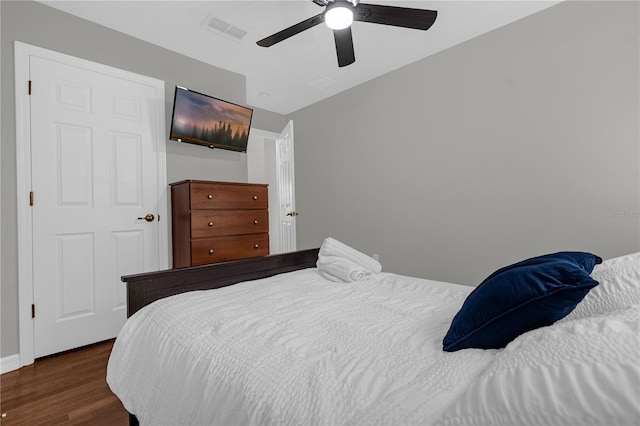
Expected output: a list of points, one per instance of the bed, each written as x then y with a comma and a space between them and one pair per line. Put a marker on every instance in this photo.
272, 341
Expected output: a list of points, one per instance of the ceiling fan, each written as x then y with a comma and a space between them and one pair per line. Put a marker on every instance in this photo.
339, 14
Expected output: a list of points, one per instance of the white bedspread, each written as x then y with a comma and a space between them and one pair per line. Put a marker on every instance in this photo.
582, 370
299, 349
295, 349
579, 372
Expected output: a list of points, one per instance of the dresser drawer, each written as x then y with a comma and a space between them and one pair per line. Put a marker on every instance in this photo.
221, 249
223, 196
216, 223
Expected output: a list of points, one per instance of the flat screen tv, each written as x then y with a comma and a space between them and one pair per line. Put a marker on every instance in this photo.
204, 120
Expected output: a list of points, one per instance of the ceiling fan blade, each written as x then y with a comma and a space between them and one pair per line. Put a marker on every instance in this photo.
344, 47
406, 17
291, 31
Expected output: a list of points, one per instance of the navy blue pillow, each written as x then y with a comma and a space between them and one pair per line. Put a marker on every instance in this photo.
517, 298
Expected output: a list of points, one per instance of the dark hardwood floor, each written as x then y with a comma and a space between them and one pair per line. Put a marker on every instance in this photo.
65, 389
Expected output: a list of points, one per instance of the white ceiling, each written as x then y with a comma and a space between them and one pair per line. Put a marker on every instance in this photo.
302, 69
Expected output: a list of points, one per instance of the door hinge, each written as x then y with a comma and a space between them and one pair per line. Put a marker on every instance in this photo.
29, 86
31, 198
33, 310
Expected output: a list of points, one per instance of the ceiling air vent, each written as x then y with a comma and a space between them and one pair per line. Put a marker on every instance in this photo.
224, 27
321, 83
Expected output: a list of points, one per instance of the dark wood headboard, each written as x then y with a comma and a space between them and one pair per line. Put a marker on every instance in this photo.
143, 289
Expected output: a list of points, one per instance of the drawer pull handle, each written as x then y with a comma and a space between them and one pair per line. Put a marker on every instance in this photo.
211, 251
255, 222
255, 246
209, 196
210, 223
255, 197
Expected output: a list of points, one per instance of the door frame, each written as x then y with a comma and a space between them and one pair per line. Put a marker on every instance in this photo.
22, 54
264, 135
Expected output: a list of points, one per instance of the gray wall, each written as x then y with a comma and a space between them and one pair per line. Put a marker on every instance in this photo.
36, 24
517, 143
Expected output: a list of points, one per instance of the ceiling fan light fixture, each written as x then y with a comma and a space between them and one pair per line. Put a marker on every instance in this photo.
338, 17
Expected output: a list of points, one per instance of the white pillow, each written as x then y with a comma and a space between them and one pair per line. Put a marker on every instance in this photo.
582, 372
619, 287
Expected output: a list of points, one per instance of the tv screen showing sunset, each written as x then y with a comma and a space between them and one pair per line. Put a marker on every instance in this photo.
208, 121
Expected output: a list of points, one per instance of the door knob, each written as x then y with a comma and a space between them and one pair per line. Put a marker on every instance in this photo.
148, 218
292, 214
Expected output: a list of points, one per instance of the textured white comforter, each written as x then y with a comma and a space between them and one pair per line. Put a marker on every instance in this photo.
299, 349
582, 370
295, 349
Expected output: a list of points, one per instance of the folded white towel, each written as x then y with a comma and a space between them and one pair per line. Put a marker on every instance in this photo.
341, 263
338, 269
332, 247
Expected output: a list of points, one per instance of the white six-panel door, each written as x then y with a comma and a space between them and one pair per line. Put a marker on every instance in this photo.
286, 189
94, 146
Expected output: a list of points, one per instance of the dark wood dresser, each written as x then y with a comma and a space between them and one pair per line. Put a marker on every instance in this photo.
218, 221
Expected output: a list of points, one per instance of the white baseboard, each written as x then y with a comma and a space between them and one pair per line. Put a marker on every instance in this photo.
9, 363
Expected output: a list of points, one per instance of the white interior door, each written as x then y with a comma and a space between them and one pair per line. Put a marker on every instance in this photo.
94, 178
286, 189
